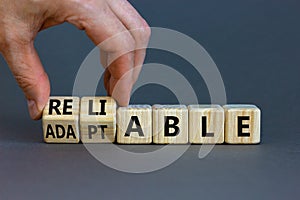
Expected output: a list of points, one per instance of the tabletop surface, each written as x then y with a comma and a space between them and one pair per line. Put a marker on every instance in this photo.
255, 45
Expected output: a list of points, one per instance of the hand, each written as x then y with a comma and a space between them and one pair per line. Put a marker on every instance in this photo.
21, 20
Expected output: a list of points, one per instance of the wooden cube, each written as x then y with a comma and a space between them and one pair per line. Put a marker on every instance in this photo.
134, 124
170, 124
61, 120
242, 124
98, 119
206, 124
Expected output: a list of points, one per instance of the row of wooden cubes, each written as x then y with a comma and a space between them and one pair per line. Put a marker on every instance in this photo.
98, 120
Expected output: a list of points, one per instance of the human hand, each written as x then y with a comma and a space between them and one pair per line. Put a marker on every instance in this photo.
21, 20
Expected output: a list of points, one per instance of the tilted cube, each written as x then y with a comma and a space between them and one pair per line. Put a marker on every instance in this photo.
98, 119
61, 120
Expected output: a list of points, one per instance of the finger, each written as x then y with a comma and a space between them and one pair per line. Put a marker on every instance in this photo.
106, 80
138, 27
103, 58
100, 30
139, 59
27, 69
121, 81
121, 90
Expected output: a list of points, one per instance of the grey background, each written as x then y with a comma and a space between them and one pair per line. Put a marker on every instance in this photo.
255, 44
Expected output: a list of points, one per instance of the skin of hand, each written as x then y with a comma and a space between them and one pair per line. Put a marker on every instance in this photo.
21, 20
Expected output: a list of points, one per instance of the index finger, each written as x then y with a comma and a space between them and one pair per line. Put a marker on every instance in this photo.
111, 36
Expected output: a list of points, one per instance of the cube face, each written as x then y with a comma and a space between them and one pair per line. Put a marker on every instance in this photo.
61, 120
242, 124
134, 124
206, 124
98, 119
170, 124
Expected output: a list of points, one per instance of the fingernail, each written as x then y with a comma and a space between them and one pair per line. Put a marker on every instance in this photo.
34, 112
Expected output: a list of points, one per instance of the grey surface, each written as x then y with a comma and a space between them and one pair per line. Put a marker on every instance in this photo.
255, 44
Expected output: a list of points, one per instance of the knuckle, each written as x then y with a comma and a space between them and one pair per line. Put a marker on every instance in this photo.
28, 81
142, 34
88, 7
119, 43
12, 39
146, 29
85, 4
79, 12
24, 81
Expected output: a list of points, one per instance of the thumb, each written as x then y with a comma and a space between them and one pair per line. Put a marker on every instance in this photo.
28, 71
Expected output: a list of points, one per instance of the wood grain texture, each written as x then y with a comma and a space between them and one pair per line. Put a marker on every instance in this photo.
160, 119
128, 121
242, 124
61, 120
98, 119
206, 124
